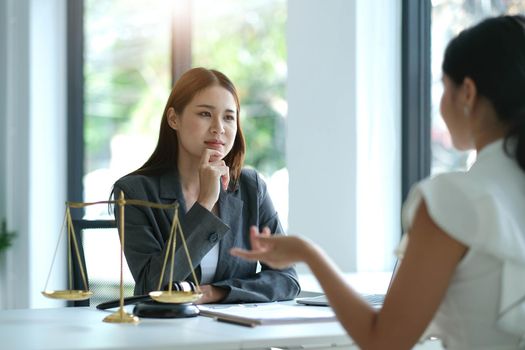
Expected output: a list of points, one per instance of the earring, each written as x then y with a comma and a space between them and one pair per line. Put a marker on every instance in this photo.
466, 111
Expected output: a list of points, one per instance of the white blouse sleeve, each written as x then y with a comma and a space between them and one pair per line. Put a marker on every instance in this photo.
483, 220
448, 204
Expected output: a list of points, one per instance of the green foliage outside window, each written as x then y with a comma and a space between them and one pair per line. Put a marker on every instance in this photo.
248, 43
127, 70
6, 237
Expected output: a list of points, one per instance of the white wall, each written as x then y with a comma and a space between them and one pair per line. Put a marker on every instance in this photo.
3, 121
343, 134
378, 133
33, 149
321, 130
48, 179
15, 150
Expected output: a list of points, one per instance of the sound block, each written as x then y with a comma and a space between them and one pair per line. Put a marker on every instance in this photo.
154, 309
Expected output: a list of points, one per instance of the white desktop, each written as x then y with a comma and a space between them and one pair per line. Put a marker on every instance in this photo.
82, 328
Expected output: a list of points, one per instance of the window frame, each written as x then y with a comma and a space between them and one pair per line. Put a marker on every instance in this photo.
75, 101
415, 94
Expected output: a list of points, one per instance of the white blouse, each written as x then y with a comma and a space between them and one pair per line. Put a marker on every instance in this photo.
209, 265
483, 208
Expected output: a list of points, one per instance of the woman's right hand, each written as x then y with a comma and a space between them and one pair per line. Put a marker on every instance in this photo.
213, 173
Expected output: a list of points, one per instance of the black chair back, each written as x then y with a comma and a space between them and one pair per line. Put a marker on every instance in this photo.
79, 227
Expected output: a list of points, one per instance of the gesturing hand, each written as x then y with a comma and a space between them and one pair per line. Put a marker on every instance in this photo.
277, 252
213, 173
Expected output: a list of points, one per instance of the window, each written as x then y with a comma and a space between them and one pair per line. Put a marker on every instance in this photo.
127, 75
246, 40
125, 68
127, 72
449, 17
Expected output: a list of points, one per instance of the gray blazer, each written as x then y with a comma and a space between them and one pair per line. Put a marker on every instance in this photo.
147, 231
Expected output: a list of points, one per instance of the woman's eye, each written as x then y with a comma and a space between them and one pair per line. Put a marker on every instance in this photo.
230, 117
205, 114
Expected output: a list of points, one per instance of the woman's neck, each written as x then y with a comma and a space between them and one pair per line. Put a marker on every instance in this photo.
487, 126
484, 139
189, 174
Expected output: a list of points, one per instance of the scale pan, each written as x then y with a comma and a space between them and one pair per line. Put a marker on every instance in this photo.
68, 294
175, 297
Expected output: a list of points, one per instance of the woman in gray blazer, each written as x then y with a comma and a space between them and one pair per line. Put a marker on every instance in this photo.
198, 163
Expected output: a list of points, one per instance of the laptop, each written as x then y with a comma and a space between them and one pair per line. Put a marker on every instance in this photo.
376, 300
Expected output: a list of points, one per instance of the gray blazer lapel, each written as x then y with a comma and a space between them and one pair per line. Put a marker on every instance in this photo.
230, 211
170, 190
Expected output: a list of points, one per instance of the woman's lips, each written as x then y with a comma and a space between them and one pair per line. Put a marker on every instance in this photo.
217, 145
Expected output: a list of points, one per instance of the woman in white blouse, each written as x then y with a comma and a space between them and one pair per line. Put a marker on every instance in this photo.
462, 276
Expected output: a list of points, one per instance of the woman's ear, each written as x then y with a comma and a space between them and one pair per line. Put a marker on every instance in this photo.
172, 118
469, 94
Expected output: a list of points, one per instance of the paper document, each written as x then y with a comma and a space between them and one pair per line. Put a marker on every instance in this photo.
267, 313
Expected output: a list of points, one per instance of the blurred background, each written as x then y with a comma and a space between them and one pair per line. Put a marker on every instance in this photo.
323, 84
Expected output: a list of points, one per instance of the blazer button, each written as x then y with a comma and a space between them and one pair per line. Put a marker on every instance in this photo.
213, 237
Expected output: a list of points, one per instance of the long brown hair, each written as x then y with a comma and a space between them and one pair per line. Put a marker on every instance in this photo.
164, 157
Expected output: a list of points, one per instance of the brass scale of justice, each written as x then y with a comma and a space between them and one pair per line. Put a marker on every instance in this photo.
170, 296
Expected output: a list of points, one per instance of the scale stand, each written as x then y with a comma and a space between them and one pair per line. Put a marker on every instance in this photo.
165, 304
